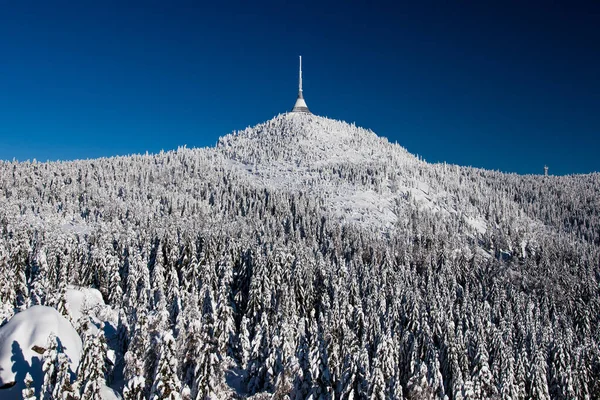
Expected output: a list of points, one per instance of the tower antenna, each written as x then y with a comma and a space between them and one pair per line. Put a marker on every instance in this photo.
300, 80
300, 105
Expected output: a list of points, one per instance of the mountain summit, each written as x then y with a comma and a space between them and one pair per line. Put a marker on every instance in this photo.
362, 177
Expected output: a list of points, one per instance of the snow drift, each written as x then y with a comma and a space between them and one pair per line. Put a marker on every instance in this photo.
22, 342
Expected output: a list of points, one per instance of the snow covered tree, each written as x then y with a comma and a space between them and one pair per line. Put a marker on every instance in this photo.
259, 378
166, 384
92, 367
208, 381
418, 387
244, 339
28, 392
319, 366
483, 381
39, 278
135, 388
538, 379
55, 366
115, 291
134, 369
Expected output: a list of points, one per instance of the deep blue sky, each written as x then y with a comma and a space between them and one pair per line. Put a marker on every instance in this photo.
495, 84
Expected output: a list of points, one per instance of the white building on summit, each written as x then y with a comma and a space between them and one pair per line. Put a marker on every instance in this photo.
300, 105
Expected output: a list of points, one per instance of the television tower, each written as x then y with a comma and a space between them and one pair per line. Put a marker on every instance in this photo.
545, 170
300, 105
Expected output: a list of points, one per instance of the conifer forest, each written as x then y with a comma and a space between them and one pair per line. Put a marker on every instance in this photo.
303, 258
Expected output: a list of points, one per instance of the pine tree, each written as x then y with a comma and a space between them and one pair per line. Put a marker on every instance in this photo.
319, 366
173, 294
521, 375
378, 387
49, 361
92, 367
58, 300
166, 384
115, 291
537, 371
55, 366
135, 388
508, 389
258, 377
19, 255
244, 339
303, 382
418, 387
561, 374
157, 277
64, 388
190, 338
134, 358
225, 323
39, 278
28, 392
8, 294
483, 381
208, 374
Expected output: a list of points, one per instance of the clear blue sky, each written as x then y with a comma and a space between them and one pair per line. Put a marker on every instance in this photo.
495, 84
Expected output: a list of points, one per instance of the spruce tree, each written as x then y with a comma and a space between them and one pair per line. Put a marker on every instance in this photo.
28, 392
55, 367
166, 385
92, 367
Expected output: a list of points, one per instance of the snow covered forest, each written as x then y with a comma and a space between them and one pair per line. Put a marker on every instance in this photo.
305, 258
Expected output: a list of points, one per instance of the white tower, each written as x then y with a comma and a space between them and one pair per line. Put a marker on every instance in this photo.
545, 170
300, 105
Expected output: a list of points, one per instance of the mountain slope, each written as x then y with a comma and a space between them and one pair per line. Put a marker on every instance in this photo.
309, 257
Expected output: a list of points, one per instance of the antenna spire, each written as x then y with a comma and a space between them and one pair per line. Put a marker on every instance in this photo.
300, 105
300, 80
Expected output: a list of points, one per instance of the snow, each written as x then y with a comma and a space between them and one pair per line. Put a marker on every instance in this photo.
25, 330
76, 227
33, 326
476, 223
82, 300
109, 394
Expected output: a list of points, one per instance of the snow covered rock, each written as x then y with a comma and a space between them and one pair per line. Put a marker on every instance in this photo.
22, 342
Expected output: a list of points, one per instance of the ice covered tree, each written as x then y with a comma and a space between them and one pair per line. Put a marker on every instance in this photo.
319, 366
208, 381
